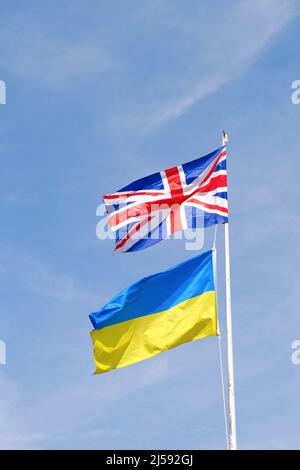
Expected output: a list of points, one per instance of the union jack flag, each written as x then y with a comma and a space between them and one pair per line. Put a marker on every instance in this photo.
190, 195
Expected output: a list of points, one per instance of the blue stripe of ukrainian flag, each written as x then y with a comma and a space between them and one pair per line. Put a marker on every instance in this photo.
155, 314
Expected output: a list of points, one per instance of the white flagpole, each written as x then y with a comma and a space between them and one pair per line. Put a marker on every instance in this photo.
231, 397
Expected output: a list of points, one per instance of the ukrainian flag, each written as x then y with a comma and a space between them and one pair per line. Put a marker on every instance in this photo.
157, 313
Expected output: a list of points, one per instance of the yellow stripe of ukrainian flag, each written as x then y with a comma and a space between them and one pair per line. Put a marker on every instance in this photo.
131, 341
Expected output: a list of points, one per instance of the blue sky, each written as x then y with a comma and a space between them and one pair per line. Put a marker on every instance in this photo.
99, 94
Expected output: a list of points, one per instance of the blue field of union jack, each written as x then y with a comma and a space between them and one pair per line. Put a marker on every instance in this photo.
191, 195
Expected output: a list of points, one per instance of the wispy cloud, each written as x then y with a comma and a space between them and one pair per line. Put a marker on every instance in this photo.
48, 283
241, 31
23, 428
31, 51
12, 433
43, 279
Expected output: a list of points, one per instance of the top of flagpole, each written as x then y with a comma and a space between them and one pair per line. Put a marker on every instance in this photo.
224, 137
